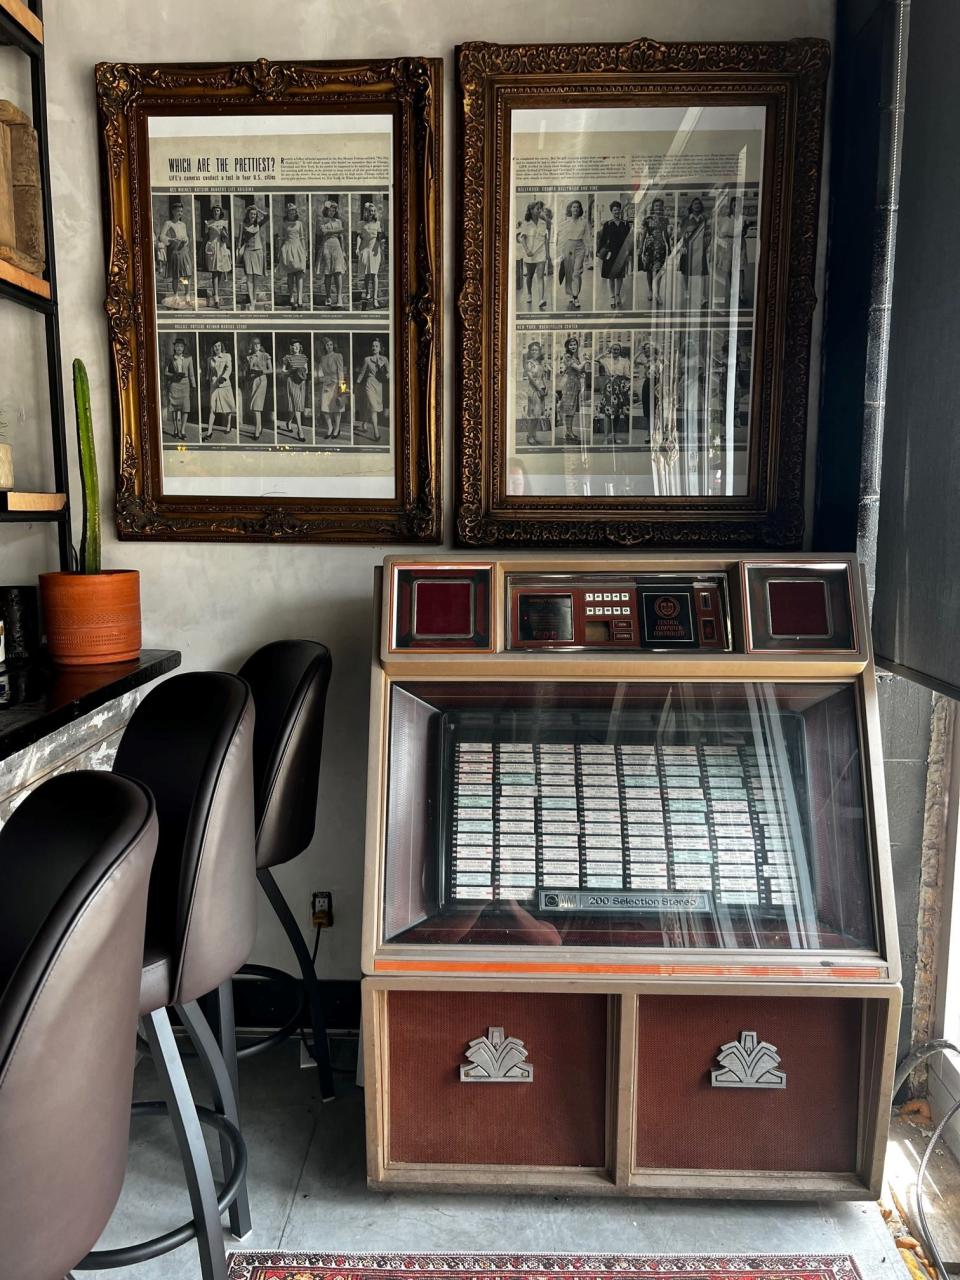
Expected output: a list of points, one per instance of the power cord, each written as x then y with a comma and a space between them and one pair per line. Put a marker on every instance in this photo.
913, 1059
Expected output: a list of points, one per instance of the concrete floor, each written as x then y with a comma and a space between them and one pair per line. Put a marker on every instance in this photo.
308, 1191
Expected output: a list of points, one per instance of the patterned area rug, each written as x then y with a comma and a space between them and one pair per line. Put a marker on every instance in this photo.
537, 1266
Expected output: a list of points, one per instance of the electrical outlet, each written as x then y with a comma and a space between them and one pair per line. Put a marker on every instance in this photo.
321, 908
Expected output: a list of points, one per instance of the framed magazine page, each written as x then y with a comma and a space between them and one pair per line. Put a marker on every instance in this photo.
638, 241
273, 241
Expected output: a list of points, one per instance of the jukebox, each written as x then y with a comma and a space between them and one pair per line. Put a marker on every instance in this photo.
628, 917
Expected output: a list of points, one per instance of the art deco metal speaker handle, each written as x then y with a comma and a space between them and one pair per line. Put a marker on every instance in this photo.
496, 1059
748, 1063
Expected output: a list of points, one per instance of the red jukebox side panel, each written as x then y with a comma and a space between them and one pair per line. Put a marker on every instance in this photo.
441, 608
799, 608
712, 1095
547, 1108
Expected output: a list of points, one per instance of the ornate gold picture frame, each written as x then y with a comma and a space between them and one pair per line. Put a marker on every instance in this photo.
637, 230
273, 239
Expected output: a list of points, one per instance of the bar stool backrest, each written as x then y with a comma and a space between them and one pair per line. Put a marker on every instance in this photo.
190, 741
289, 680
75, 861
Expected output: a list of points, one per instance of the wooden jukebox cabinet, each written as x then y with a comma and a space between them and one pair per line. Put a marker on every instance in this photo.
629, 921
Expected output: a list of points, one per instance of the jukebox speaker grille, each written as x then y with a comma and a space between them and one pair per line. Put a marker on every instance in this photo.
557, 1119
683, 1122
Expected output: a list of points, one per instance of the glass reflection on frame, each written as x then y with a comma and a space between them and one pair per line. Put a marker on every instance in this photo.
633, 304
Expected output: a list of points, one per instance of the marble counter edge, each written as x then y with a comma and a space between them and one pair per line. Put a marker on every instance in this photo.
153, 664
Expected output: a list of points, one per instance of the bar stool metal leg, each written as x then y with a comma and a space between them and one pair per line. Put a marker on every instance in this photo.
193, 1151
220, 1070
320, 1049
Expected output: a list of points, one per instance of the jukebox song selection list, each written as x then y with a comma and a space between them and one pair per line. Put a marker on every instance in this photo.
619, 816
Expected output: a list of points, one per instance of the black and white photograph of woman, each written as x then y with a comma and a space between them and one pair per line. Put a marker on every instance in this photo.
370, 251
574, 384
256, 386
534, 394
218, 394
615, 248
371, 364
695, 235
612, 409
613, 355
611, 424
748, 210
534, 254
330, 237
294, 380
290, 235
655, 239
178, 373
333, 383
730, 385
686, 375
575, 249
647, 377
215, 259
173, 253
251, 219
729, 257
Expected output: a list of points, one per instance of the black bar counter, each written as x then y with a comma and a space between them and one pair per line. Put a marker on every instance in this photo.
40, 698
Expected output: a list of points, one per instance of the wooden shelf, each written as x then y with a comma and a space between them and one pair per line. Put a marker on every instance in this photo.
28, 507
21, 28
23, 279
23, 502
25, 18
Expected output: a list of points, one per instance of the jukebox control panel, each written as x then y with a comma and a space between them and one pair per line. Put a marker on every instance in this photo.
683, 611
797, 607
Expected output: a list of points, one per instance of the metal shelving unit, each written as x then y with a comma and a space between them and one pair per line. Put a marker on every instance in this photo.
21, 27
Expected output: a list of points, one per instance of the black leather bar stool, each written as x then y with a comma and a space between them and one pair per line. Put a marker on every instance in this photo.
289, 681
190, 741
75, 861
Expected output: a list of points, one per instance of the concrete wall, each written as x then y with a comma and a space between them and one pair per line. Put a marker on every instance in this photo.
905, 730
217, 603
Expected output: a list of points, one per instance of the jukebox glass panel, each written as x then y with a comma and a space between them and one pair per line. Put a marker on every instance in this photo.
685, 815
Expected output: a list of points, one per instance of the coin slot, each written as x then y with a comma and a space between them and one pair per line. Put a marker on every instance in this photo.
596, 632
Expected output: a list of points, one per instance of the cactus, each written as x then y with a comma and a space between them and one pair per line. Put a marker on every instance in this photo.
90, 538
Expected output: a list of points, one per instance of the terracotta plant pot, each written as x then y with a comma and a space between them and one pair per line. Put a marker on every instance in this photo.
91, 619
